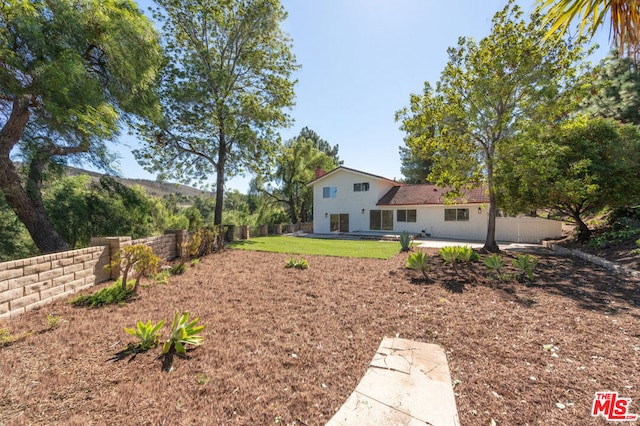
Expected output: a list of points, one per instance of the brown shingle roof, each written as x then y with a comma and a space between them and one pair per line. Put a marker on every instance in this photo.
408, 195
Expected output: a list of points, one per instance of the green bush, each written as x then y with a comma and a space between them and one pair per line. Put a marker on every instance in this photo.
116, 293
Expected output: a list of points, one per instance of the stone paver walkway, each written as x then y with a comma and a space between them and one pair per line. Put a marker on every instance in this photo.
407, 384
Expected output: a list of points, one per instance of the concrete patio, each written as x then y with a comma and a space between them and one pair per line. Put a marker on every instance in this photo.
407, 384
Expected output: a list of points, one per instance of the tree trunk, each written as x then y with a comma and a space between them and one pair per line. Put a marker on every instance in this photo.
490, 242
222, 160
27, 206
584, 233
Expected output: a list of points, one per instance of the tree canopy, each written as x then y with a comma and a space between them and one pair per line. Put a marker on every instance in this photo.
296, 164
225, 88
614, 90
488, 92
70, 72
576, 167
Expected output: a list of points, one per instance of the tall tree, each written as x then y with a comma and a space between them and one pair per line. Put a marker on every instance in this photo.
576, 167
414, 167
224, 90
70, 71
321, 144
615, 90
487, 92
296, 162
624, 16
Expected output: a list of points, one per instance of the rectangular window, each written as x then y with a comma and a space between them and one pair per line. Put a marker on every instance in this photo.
381, 220
456, 215
329, 192
361, 187
406, 216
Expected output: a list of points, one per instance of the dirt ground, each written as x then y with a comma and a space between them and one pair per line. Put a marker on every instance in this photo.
286, 346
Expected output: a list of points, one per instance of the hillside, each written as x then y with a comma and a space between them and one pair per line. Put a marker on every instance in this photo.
152, 188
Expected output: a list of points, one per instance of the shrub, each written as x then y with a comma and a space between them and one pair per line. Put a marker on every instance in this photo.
494, 263
418, 261
162, 277
177, 269
405, 241
116, 293
147, 333
298, 263
140, 259
526, 264
183, 333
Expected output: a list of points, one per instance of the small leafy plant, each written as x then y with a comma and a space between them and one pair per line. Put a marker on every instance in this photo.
162, 277
453, 255
53, 320
526, 264
419, 261
183, 333
116, 293
177, 269
405, 241
147, 333
298, 263
495, 263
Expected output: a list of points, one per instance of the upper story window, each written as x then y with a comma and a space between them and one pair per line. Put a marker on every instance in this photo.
361, 187
329, 192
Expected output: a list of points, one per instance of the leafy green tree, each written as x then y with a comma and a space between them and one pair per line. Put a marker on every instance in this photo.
116, 209
321, 145
624, 16
487, 93
66, 203
70, 72
15, 242
224, 89
615, 90
80, 209
296, 166
414, 167
576, 167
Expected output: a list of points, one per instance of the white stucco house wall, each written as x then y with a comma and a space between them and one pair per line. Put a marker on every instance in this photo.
348, 200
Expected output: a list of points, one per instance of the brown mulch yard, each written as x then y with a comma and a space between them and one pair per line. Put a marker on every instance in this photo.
285, 346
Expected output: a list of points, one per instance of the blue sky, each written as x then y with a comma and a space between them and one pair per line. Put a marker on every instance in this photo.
361, 60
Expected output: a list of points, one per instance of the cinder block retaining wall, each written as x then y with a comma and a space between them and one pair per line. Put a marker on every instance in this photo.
31, 283
35, 282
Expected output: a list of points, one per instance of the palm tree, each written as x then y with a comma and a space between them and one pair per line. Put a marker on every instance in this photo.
624, 16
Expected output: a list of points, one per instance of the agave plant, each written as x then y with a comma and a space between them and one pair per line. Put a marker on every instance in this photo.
418, 261
526, 264
183, 333
405, 241
494, 263
147, 333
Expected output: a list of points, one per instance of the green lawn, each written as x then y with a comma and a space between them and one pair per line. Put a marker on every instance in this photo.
320, 246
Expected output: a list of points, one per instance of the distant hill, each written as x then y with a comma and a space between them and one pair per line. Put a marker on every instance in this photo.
151, 187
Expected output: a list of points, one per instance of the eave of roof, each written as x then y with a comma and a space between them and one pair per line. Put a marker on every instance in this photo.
342, 168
